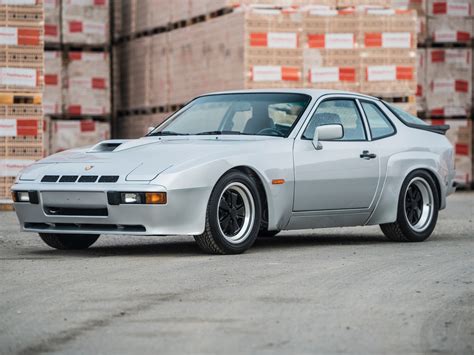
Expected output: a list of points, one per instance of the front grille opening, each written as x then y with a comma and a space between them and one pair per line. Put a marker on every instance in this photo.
88, 178
62, 211
108, 178
68, 178
77, 227
50, 178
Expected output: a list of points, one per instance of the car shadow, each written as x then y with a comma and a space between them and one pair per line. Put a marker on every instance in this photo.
187, 247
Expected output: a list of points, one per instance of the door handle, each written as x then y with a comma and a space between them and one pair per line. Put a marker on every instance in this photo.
366, 155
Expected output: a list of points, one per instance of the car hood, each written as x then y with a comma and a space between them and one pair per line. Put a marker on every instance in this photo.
142, 159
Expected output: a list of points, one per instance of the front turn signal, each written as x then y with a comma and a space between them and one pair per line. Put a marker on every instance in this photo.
155, 198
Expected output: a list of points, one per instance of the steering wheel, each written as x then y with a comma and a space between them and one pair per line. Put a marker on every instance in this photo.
273, 131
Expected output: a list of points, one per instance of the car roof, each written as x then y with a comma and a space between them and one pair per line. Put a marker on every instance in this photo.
315, 93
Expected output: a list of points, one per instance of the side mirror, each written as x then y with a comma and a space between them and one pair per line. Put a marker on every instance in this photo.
150, 129
327, 133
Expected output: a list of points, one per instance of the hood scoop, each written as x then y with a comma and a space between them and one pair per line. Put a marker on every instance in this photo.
107, 146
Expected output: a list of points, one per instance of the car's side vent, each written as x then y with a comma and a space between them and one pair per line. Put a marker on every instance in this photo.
50, 178
108, 178
68, 178
88, 178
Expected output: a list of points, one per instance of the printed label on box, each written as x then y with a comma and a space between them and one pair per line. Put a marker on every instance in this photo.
440, 86
381, 73
444, 36
17, 2
92, 27
282, 40
396, 40
88, 2
7, 127
451, 8
331, 40
332, 74
8, 36
266, 73
18, 77
13, 167
324, 74
339, 41
275, 73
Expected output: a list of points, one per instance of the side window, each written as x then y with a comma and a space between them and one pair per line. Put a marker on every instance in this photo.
379, 124
338, 111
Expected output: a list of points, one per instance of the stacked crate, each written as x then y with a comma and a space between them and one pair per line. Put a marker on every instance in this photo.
21, 84
67, 134
52, 23
77, 78
445, 79
331, 55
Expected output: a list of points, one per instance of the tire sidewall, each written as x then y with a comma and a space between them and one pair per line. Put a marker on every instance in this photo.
407, 230
234, 176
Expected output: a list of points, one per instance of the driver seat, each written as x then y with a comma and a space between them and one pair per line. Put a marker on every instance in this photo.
259, 120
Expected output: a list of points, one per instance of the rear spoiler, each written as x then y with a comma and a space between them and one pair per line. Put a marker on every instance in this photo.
440, 129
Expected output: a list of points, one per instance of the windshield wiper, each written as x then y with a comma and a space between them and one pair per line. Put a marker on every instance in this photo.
217, 133
169, 133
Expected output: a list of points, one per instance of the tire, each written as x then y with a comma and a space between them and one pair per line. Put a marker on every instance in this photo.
267, 234
69, 241
418, 207
227, 232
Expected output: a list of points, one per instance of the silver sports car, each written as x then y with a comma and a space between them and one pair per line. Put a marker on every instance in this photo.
232, 166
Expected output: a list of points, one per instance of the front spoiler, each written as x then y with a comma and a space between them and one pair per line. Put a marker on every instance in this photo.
184, 213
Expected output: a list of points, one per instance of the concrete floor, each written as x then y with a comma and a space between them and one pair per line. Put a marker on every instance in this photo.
325, 291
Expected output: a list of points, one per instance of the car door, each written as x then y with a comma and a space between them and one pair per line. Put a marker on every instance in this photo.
344, 174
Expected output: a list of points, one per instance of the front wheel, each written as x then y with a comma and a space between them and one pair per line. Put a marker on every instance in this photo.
233, 215
418, 207
69, 241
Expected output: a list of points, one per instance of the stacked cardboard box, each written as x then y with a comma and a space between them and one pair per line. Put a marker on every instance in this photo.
449, 21
67, 134
87, 87
131, 127
85, 21
331, 55
21, 83
421, 79
52, 97
388, 52
449, 73
52, 10
461, 137
420, 7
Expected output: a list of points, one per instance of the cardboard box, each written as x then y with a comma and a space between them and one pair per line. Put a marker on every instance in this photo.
421, 79
455, 8
446, 29
87, 86
461, 137
85, 22
67, 134
449, 82
52, 96
52, 24
132, 127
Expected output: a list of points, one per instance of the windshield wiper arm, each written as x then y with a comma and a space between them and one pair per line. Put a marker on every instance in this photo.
217, 133
168, 133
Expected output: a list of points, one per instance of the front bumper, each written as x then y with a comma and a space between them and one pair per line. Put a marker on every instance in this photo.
184, 213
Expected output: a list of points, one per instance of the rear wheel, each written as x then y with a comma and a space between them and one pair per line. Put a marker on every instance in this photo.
418, 207
233, 216
69, 241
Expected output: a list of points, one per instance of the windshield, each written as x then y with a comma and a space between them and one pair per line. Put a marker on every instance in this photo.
406, 117
249, 113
